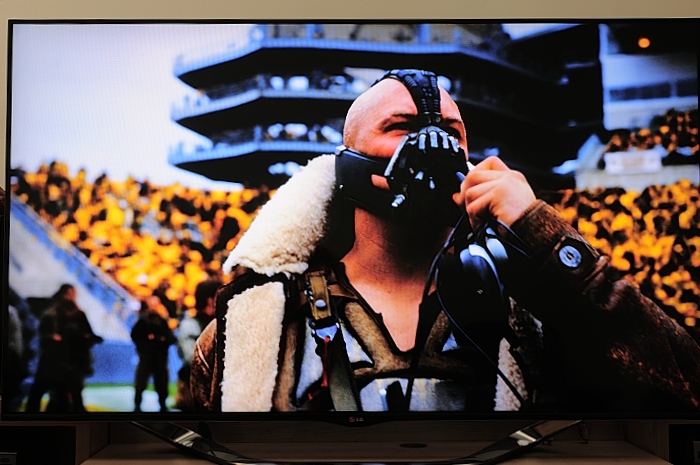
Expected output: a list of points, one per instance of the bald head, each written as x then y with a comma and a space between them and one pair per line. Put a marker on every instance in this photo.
380, 117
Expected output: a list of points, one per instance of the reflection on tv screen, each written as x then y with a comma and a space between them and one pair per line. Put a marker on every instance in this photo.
229, 218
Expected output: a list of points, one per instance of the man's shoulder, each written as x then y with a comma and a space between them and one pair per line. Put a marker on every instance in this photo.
248, 279
207, 338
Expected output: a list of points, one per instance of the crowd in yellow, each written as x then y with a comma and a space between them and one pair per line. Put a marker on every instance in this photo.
652, 237
153, 240
675, 131
165, 240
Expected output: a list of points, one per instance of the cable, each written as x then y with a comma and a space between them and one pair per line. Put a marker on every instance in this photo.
432, 274
521, 245
433, 266
413, 366
481, 351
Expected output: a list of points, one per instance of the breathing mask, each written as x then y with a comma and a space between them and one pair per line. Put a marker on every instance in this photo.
425, 170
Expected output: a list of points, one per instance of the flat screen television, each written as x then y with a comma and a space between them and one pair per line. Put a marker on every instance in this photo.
157, 181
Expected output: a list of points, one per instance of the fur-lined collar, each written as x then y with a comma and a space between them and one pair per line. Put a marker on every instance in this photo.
289, 226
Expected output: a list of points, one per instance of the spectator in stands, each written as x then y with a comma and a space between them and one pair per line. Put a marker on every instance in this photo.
162, 293
675, 131
189, 330
24, 189
58, 190
645, 139
152, 337
66, 339
138, 233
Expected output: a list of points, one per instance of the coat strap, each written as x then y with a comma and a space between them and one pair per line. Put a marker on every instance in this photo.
325, 325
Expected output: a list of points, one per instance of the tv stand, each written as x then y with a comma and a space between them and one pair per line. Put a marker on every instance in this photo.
193, 443
203, 447
630, 442
518, 442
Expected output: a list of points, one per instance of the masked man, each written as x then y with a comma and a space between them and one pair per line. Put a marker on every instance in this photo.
336, 309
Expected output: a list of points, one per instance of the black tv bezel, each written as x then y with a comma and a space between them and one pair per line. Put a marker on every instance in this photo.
350, 419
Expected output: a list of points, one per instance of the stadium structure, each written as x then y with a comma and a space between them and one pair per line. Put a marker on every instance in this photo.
272, 104
650, 108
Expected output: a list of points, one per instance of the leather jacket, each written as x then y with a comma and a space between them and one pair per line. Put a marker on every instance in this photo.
598, 346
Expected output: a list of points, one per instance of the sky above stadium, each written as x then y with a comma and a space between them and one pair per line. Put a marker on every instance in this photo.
99, 96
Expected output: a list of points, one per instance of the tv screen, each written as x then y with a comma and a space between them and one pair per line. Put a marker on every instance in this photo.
234, 221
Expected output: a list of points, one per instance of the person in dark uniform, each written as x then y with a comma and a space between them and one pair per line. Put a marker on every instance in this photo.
66, 338
152, 337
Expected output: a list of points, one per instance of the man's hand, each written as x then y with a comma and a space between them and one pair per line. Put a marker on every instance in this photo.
493, 188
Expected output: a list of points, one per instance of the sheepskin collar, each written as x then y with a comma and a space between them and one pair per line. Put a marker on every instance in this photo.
289, 226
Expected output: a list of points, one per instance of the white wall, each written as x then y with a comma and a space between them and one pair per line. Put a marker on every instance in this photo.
639, 70
314, 9
622, 71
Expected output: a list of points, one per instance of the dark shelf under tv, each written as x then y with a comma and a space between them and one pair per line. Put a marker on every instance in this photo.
559, 452
611, 441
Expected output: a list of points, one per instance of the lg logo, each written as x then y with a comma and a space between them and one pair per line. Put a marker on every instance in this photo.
356, 419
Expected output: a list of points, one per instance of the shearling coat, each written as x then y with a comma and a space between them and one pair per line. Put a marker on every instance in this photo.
589, 343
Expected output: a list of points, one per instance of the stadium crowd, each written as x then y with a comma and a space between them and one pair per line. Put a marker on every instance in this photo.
164, 241
152, 240
315, 80
344, 83
676, 132
329, 132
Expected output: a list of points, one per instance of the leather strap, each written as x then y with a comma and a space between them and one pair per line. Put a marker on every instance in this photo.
320, 299
331, 345
424, 90
353, 171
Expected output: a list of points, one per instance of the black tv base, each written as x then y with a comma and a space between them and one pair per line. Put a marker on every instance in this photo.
518, 442
193, 443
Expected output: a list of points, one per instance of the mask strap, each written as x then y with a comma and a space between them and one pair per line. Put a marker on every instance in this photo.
354, 172
424, 90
